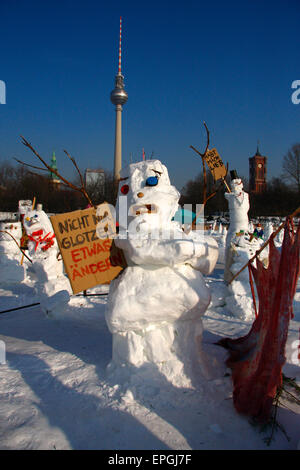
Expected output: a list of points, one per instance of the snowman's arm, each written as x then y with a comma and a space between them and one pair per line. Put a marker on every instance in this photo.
164, 252
207, 253
157, 252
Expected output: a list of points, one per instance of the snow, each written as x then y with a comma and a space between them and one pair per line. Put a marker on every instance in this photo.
56, 391
73, 374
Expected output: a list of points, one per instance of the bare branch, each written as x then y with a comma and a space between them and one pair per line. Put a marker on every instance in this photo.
202, 155
35, 174
80, 189
207, 140
31, 166
207, 143
76, 166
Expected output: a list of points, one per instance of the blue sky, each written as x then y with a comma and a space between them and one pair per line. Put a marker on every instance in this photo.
230, 64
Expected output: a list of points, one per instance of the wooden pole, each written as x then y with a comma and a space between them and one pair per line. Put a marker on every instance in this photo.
227, 187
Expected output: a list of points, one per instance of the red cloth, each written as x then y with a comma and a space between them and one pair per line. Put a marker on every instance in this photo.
257, 359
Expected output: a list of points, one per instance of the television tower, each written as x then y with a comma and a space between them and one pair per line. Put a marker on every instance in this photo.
118, 97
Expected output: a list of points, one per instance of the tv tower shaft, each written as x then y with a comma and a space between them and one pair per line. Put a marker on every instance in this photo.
118, 97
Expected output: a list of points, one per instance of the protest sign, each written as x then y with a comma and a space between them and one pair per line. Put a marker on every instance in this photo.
215, 164
87, 258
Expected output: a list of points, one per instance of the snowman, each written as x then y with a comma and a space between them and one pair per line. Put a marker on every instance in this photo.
268, 230
155, 305
240, 247
11, 269
238, 203
52, 286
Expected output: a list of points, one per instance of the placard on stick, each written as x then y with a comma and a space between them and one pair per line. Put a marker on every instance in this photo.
215, 164
86, 257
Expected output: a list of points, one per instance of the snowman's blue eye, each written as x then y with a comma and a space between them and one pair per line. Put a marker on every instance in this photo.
152, 181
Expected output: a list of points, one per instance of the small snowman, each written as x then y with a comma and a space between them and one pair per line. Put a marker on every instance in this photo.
11, 269
52, 286
155, 305
238, 202
268, 230
240, 247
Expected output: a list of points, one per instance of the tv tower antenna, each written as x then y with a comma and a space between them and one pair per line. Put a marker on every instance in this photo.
118, 97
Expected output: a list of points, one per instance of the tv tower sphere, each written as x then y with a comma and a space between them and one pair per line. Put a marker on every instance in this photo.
118, 97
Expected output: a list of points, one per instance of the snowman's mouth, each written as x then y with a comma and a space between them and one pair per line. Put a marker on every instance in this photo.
32, 222
143, 209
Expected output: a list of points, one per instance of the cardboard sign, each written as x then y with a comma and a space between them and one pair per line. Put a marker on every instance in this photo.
215, 164
86, 257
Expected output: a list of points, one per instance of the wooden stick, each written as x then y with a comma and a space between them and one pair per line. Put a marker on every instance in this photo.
297, 211
227, 187
4, 231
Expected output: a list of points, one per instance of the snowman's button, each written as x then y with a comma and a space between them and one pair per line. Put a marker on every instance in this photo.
140, 194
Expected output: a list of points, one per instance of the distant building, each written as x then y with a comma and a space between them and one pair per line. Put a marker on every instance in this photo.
94, 177
257, 173
53, 179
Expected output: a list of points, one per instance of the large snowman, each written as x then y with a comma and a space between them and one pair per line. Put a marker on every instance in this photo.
155, 305
238, 203
240, 247
52, 286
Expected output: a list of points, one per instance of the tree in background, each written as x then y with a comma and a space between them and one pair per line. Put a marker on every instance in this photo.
192, 193
279, 199
291, 166
17, 183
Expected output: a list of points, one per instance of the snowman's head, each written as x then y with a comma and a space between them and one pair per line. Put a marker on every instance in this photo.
150, 196
35, 221
13, 228
236, 185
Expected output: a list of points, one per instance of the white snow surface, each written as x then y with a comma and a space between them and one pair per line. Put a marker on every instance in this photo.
56, 391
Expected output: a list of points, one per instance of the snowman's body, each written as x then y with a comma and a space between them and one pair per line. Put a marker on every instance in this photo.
155, 306
11, 269
268, 230
52, 286
238, 203
10, 237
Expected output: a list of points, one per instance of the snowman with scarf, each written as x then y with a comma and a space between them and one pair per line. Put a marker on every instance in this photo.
155, 305
52, 286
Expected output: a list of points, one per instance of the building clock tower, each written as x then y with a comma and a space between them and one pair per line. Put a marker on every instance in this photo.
257, 173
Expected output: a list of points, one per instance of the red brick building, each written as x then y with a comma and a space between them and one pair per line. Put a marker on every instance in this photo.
257, 173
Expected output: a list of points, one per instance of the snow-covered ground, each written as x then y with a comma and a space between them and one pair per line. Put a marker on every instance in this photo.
55, 392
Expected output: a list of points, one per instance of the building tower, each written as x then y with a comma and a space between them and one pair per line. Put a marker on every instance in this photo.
118, 97
257, 173
54, 180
